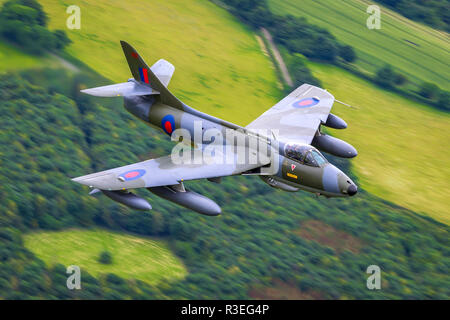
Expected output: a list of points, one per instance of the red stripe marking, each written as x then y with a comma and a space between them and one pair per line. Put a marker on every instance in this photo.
134, 55
145, 72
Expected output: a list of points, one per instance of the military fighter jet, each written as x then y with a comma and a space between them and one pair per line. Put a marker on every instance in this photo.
281, 146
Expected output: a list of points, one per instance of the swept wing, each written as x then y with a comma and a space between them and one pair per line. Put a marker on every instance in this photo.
298, 116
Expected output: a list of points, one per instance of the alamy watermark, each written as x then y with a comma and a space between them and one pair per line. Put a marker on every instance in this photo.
74, 280
374, 280
197, 146
74, 20
374, 20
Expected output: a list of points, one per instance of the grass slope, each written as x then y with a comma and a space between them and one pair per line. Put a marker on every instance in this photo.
421, 53
12, 58
140, 258
402, 149
219, 65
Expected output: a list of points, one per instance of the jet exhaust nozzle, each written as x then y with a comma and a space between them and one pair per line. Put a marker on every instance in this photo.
333, 121
188, 199
334, 146
129, 199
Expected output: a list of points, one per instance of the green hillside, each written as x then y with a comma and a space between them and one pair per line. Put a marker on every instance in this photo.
421, 53
219, 66
13, 59
402, 156
145, 259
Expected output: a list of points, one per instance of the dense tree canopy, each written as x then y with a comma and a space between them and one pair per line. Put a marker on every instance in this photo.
24, 23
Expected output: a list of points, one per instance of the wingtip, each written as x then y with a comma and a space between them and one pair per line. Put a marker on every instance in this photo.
80, 180
77, 179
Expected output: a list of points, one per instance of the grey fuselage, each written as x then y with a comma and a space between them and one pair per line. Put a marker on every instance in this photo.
291, 174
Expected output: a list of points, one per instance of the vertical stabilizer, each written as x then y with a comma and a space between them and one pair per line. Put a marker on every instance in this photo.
145, 75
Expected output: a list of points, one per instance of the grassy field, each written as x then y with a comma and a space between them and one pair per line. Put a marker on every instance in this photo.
421, 53
13, 59
134, 257
403, 154
219, 65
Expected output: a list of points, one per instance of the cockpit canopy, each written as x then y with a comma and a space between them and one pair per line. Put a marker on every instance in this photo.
305, 154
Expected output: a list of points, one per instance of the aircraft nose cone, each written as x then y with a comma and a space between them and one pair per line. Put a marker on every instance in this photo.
352, 190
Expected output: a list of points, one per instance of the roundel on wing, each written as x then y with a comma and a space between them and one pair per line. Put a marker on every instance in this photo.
168, 124
132, 174
305, 103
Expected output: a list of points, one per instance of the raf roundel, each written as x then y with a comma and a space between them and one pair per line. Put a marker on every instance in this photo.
168, 124
132, 175
305, 103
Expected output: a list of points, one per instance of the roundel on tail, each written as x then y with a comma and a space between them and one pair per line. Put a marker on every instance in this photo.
168, 124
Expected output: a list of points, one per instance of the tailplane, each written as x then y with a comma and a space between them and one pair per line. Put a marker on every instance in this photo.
130, 88
147, 81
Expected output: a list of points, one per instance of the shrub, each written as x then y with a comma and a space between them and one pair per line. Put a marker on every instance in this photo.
385, 76
400, 79
429, 90
347, 53
105, 257
444, 100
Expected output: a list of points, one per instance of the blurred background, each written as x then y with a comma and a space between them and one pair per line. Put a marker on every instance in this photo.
234, 59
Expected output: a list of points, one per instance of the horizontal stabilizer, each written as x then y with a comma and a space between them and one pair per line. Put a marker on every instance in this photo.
163, 70
130, 88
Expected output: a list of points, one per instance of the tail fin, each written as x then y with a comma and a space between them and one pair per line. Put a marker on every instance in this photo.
142, 73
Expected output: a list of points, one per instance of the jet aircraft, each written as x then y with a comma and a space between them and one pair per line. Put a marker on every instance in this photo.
281, 146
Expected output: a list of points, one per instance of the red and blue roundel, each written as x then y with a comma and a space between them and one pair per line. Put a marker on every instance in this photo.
168, 124
133, 174
305, 103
